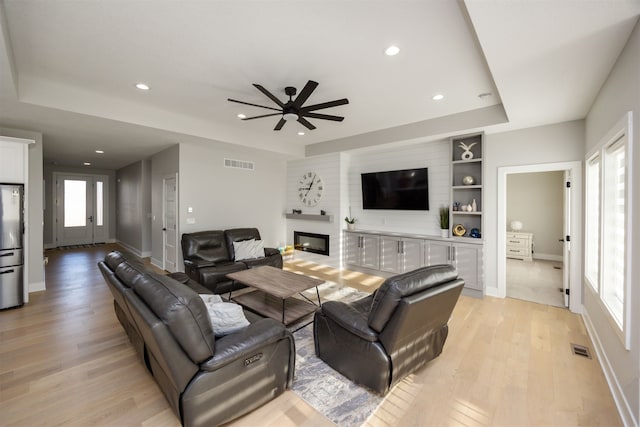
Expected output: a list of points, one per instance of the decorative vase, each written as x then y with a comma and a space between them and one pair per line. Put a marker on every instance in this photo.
468, 180
351, 226
474, 206
444, 233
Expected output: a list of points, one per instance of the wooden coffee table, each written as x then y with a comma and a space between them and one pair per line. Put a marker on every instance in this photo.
274, 293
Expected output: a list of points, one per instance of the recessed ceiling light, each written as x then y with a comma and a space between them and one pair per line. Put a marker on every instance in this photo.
300, 133
437, 97
242, 116
142, 86
99, 151
87, 163
392, 50
484, 95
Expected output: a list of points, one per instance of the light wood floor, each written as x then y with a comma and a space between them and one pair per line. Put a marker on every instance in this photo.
64, 359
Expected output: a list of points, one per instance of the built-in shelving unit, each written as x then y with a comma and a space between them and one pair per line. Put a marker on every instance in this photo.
466, 163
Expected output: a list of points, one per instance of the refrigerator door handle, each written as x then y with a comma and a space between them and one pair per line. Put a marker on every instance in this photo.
7, 254
7, 271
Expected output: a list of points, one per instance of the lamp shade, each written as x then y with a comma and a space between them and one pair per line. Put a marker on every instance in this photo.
515, 225
290, 116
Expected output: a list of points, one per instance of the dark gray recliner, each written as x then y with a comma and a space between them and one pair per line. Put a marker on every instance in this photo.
380, 339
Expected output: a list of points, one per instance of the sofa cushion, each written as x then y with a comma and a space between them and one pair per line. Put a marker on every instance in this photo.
248, 249
238, 235
205, 245
181, 310
130, 271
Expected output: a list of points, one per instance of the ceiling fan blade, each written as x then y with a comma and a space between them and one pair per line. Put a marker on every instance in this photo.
280, 124
253, 105
305, 93
269, 95
305, 123
325, 105
264, 115
323, 116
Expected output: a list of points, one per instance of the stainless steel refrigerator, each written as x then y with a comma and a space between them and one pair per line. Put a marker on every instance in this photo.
11, 245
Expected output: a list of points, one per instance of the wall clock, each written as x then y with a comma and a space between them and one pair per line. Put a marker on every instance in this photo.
310, 189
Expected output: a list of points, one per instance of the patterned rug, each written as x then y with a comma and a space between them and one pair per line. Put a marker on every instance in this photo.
331, 394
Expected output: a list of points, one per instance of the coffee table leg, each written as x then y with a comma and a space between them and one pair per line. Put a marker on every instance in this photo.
283, 305
318, 293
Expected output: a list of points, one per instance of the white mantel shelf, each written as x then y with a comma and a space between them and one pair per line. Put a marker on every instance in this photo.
310, 217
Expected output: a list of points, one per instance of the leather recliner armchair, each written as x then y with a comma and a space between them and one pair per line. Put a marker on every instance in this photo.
209, 256
380, 339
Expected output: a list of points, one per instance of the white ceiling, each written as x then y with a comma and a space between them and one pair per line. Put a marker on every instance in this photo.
68, 68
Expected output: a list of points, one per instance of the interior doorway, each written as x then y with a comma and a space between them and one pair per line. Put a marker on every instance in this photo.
535, 237
81, 209
570, 219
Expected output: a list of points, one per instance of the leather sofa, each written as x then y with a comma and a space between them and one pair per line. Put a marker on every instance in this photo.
380, 339
209, 256
207, 380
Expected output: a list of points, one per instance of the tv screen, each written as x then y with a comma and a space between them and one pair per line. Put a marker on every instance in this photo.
401, 190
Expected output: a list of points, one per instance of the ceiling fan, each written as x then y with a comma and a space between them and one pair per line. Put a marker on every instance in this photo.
294, 109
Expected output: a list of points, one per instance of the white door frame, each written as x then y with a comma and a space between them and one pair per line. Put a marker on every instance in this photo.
106, 188
164, 223
575, 261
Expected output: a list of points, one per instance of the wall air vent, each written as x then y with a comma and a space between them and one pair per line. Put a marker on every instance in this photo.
239, 164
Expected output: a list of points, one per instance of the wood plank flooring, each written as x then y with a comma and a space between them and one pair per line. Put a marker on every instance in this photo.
65, 360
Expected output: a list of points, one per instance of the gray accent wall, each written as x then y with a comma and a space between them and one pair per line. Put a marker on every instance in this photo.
537, 200
133, 202
620, 94
163, 164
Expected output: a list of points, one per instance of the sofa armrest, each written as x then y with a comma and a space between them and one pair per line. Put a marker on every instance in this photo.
352, 320
271, 251
198, 263
246, 342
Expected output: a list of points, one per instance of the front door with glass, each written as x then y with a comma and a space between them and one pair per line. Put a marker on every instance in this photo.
80, 209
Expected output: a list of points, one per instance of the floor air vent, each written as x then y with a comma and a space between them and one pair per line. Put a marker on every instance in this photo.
580, 350
238, 164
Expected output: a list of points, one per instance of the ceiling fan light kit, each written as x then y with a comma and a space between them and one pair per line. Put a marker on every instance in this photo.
295, 109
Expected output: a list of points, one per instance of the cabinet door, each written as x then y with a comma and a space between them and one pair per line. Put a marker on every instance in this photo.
352, 246
467, 261
411, 254
370, 252
390, 254
438, 253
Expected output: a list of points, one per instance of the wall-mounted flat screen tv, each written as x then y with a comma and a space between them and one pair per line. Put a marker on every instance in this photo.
399, 190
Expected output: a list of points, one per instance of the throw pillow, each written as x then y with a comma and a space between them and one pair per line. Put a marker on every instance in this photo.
248, 249
226, 317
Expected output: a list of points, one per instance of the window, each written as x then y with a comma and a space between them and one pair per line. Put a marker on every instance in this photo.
592, 223
75, 203
608, 209
99, 204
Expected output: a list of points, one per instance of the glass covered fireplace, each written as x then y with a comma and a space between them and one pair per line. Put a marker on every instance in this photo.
311, 242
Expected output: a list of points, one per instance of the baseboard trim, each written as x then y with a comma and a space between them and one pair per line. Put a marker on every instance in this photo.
130, 248
37, 286
548, 257
616, 391
49, 246
156, 262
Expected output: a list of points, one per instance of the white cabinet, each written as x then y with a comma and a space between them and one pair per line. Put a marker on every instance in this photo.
392, 254
465, 257
520, 246
13, 157
398, 255
363, 250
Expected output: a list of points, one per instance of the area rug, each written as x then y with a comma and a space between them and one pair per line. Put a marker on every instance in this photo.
327, 391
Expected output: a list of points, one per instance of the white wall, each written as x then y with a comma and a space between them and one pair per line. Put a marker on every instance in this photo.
433, 155
328, 167
537, 200
223, 198
561, 142
35, 275
619, 94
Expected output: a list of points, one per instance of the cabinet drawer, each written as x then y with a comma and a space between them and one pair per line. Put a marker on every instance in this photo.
517, 242
517, 251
